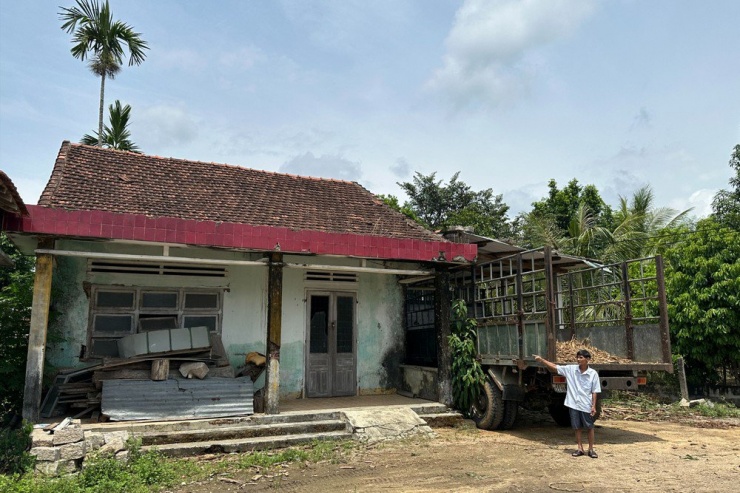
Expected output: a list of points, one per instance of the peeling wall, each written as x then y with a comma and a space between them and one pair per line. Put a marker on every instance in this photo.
379, 336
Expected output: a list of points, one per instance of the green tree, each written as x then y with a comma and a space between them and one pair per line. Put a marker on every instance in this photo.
726, 204
97, 35
563, 204
437, 205
631, 231
467, 373
639, 226
16, 294
703, 283
117, 135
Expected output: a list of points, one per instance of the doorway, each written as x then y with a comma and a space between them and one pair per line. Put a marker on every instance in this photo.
332, 355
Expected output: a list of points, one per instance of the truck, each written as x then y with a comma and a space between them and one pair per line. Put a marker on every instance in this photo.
539, 302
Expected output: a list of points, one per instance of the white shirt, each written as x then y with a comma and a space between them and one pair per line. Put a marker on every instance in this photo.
580, 386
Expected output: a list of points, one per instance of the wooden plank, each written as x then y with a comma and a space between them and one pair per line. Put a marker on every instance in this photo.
160, 370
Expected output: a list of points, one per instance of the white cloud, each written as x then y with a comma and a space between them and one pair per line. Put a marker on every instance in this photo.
162, 126
325, 166
401, 169
643, 119
489, 48
700, 201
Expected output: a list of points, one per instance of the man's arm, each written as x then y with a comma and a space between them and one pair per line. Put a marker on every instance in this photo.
551, 366
593, 404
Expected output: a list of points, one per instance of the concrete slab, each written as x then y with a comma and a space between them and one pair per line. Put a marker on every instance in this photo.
376, 424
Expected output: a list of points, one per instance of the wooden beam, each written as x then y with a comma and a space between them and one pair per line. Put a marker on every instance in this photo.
442, 309
37, 337
274, 333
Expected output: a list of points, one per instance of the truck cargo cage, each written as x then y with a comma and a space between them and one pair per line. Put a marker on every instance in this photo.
526, 302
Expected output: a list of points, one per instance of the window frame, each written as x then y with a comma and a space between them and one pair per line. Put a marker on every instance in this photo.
138, 311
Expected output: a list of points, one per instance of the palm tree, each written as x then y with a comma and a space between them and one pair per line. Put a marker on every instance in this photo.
96, 34
117, 135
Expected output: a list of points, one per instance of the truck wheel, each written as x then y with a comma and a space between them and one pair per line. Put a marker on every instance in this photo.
488, 410
511, 409
558, 411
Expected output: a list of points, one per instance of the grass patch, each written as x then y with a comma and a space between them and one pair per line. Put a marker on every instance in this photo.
151, 471
643, 407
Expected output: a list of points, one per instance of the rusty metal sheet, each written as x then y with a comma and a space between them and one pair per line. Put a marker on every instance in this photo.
125, 400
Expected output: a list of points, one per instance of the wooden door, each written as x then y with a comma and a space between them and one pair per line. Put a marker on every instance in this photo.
331, 345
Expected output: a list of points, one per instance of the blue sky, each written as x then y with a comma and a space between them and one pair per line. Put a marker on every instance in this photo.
620, 94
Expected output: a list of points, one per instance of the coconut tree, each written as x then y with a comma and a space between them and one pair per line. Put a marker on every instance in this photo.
95, 35
117, 135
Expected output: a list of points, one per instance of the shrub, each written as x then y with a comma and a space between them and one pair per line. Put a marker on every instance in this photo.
14, 446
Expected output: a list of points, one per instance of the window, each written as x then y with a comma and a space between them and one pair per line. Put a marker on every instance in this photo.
116, 312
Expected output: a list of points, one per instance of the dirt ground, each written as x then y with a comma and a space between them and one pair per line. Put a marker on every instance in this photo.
648, 456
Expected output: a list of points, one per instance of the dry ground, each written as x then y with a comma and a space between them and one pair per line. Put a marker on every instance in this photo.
647, 456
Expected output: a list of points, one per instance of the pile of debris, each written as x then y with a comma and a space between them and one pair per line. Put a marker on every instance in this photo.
566, 352
78, 392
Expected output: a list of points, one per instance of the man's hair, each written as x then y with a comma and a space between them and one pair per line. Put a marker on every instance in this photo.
584, 353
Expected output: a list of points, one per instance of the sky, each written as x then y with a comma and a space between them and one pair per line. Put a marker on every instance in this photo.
618, 94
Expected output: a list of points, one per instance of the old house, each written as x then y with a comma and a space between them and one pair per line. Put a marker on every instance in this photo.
308, 271
11, 204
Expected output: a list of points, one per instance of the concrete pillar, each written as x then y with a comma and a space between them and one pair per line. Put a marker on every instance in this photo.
274, 333
442, 309
37, 337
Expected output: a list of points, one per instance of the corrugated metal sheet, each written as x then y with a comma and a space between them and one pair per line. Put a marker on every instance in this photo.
125, 400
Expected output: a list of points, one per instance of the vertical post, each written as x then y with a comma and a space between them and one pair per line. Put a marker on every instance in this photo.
682, 378
274, 332
550, 308
520, 305
442, 308
572, 307
37, 336
665, 337
628, 327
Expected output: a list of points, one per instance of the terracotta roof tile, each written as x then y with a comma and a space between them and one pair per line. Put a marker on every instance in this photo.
91, 178
10, 199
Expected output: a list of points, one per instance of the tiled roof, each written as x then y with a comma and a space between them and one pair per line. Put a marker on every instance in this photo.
91, 178
10, 199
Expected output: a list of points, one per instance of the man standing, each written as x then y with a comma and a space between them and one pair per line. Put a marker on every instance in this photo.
582, 386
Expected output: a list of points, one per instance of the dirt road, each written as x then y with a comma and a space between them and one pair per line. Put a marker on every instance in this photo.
633, 456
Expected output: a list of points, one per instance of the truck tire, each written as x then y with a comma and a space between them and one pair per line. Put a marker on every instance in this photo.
488, 411
558, 411
511, 410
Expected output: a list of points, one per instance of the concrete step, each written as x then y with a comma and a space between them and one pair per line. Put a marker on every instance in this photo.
143, 427
241, 431
240, 445
443, 420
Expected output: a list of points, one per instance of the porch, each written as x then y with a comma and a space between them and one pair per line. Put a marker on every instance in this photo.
368, 418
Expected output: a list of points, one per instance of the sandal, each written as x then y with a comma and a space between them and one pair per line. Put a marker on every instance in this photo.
578, 453
593, 454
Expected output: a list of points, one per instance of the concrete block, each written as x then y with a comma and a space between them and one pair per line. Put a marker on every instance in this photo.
40, 438
159, 340
133, 345
197, 370
94, 440
122, 456
113, 446
180, 339
68, 435
45, 454
200, 337
47, 468
72, 451
67, 466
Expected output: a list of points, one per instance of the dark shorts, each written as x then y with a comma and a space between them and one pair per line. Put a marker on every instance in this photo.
579, 419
